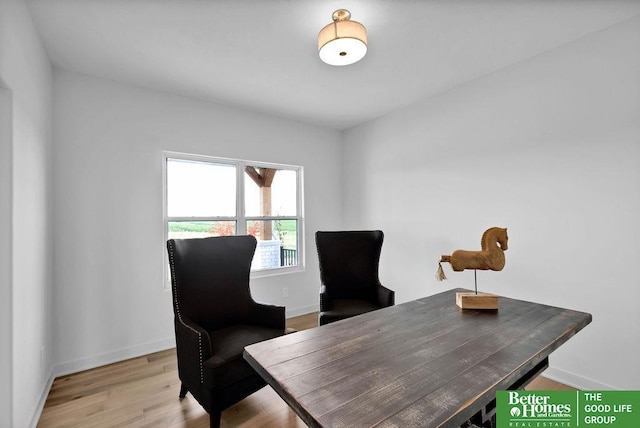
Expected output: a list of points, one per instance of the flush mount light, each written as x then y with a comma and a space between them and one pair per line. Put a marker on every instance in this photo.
342, 42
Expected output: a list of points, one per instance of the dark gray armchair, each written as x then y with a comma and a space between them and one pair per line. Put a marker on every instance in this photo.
349, 274
215, 318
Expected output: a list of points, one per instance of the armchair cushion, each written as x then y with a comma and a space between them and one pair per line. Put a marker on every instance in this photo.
227, 365
347, 308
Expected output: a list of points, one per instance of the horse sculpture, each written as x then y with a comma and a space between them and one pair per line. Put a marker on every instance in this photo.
491, 257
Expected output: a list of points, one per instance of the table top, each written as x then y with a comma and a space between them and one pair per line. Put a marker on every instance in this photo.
423, 363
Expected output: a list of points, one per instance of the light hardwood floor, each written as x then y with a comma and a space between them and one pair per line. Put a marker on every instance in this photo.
143, 392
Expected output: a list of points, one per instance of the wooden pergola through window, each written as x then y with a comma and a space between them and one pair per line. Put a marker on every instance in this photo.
263, 177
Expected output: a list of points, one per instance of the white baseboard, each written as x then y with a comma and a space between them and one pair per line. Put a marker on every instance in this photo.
558, 375
43, 398
575, 380
296, 312
93, 362
112, 357
82, 364
139, 350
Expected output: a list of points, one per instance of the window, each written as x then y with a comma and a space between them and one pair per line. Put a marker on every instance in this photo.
215, 197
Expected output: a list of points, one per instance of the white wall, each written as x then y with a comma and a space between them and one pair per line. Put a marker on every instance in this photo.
110, 302
26, 75
6, 265
549, 148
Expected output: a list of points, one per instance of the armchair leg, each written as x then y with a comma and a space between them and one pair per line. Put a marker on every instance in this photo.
214, 418
183, 391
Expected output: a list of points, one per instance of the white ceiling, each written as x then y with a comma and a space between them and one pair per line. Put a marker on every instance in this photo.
262, 54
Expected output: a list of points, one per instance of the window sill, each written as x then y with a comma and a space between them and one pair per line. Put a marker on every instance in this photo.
264, 273
275, 272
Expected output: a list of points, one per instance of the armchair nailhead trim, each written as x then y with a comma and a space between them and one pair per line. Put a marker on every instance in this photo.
174, 284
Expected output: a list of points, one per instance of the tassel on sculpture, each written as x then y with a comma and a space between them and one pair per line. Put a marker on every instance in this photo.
440, 276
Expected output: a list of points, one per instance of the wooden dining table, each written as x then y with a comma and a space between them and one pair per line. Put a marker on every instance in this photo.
424, 363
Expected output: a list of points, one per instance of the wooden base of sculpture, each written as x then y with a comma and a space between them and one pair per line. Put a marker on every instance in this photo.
470, 300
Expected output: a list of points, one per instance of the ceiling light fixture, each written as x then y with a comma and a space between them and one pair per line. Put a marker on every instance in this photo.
342, 42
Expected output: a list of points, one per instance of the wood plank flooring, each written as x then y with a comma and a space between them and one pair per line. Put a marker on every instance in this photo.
143, 392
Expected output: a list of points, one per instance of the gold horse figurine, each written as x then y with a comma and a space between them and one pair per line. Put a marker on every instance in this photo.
491, 257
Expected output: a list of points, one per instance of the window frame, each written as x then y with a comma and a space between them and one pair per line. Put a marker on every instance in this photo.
240, 218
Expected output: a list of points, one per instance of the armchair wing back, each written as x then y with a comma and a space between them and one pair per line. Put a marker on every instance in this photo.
212, 278
215, 318
349, 274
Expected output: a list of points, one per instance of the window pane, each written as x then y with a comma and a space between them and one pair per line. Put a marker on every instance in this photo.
200, 229
281, 249
200, 189
270, 191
